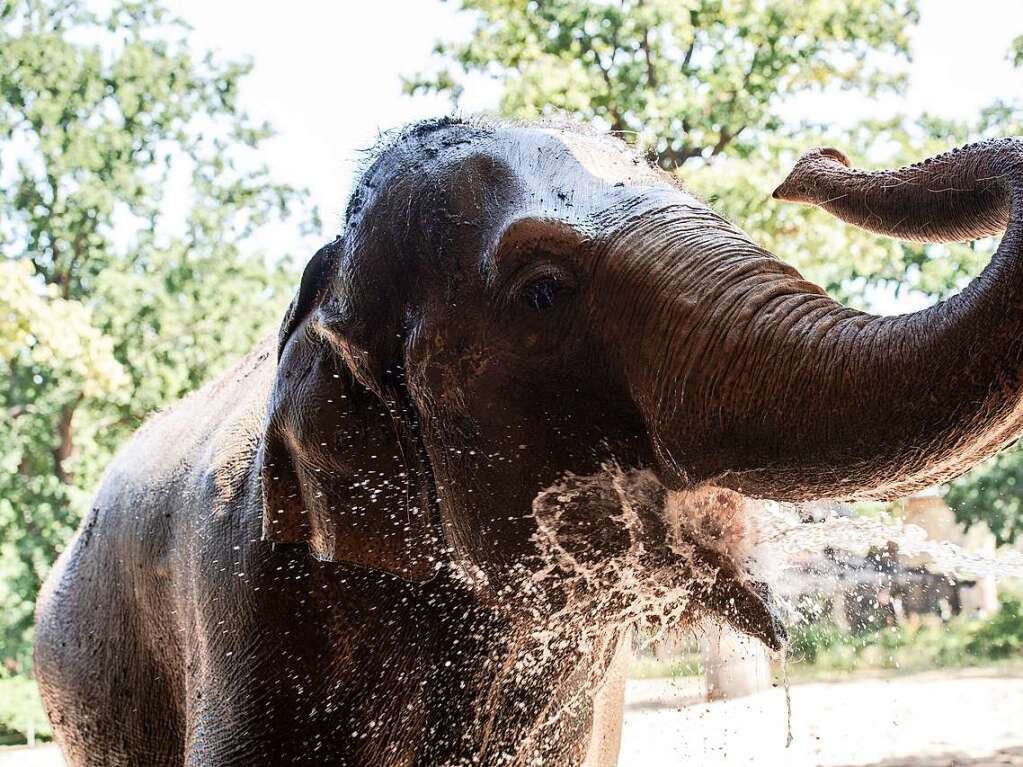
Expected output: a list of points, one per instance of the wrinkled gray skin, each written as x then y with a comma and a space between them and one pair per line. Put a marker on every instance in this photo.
319, 558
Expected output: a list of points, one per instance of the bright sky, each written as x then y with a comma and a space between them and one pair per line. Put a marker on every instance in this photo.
327, 75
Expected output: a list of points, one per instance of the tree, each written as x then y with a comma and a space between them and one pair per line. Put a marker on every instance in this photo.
992, 494
53, 358
685, 79
128, 195
701, 86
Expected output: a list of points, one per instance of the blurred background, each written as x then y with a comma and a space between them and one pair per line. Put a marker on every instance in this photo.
166, 168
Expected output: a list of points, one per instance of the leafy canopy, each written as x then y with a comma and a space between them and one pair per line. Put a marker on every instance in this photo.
685, 78
993, 494
131, 199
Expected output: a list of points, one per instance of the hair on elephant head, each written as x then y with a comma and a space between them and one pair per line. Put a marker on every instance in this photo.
511, 307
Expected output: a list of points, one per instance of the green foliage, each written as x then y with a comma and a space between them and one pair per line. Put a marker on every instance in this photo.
1016, 51
52, 355
130, 201
825, 647
808, 641
820, 648
644, 666
1001, 636
992, 493
21, 710
686, 79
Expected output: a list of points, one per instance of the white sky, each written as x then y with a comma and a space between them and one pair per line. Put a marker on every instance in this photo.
327, 75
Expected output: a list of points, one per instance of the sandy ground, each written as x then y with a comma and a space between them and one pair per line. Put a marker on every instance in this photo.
970, 718
963, 719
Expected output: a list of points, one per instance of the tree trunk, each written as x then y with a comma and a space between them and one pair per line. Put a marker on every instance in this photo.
65, 441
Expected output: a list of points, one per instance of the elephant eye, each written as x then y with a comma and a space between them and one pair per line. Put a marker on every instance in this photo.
542, 293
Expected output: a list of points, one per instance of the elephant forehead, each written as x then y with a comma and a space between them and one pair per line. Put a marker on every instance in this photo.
599, 159
549, 158
572, 175
482, 180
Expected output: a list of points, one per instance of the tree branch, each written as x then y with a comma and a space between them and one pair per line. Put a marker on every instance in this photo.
692, 43
644, 44
726, 136
724, 139
617, 123
671, 159
65, 447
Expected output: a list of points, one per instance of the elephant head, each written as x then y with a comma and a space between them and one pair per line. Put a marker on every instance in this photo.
509, 305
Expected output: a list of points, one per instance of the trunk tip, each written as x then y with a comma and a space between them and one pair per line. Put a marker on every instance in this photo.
803, 182
833, 154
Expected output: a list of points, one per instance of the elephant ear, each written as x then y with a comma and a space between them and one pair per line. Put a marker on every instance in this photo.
341, 467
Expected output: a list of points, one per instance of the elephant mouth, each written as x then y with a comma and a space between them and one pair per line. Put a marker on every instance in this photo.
621, 549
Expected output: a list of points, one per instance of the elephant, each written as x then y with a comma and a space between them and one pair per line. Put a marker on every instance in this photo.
418, 526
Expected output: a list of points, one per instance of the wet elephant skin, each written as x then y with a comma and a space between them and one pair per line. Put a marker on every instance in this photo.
328, 554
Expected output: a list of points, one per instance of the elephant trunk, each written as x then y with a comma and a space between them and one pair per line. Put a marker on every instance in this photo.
765, 385
953, 197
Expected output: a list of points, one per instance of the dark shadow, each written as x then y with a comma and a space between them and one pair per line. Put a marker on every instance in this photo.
676, 702
1004, 757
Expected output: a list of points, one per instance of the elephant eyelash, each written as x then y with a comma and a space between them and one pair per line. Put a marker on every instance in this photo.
540, 286
542, 293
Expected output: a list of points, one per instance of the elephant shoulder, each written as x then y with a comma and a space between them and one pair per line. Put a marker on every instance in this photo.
197, 453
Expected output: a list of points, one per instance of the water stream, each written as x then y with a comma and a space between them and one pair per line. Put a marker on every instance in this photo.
618, 551
781, 536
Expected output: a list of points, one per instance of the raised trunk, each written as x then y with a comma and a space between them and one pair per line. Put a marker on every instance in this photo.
960, 195
777, 391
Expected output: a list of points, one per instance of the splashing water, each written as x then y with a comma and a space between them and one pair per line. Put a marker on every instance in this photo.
619, 549
619, 552
616, 551
782, 535
621, 542
622, 551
